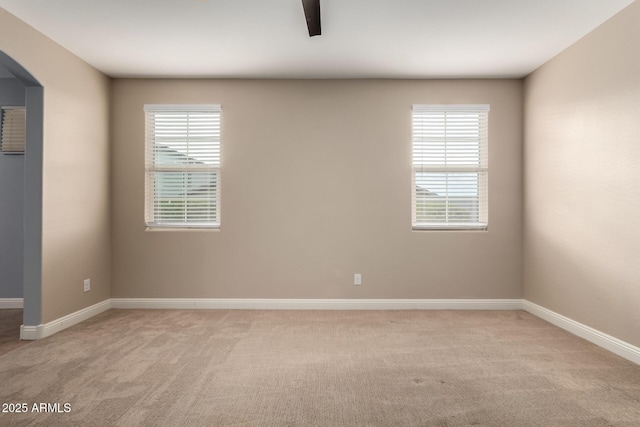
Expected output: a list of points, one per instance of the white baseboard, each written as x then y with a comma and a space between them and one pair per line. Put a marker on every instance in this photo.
48, 329
317, 304
29, 333
614, 345
11, 303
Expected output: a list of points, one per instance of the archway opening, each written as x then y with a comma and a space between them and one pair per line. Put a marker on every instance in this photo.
20, 87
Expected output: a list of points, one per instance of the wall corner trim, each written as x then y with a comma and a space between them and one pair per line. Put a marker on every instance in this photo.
614, 345
48, 329
11, 303
30, 333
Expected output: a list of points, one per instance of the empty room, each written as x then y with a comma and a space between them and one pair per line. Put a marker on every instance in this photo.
320, 213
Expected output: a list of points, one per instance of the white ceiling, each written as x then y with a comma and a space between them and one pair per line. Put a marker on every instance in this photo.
361, 38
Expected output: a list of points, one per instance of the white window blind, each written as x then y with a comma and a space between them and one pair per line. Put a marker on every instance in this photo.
14, 130
450, 166
183, 166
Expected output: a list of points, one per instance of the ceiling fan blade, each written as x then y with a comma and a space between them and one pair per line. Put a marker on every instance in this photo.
312, 14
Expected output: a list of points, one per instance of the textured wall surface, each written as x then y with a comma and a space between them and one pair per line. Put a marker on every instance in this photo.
316, 186
582, 180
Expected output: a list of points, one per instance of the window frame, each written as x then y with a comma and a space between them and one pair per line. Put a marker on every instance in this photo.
151, 167
481, 169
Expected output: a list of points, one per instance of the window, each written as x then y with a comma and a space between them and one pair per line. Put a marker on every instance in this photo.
14, 130
450, 167
183, 166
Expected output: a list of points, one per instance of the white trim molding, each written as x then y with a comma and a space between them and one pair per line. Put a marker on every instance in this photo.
614, 345
11, 303
48, 329
317, 304
30, 333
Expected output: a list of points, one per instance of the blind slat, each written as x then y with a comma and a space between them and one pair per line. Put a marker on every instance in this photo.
14, 130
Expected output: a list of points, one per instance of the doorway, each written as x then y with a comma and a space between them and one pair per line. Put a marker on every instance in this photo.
21, 198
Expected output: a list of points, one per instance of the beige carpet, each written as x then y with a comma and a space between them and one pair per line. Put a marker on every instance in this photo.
319, 368
10, 321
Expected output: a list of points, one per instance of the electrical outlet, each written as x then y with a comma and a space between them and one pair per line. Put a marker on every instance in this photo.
357, 279
87, 285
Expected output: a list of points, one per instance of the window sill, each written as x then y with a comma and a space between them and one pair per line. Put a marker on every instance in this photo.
182, 227
462, 227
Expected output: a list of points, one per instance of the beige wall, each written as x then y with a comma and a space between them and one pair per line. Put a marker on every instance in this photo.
316, 186
582, 180
76, 223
